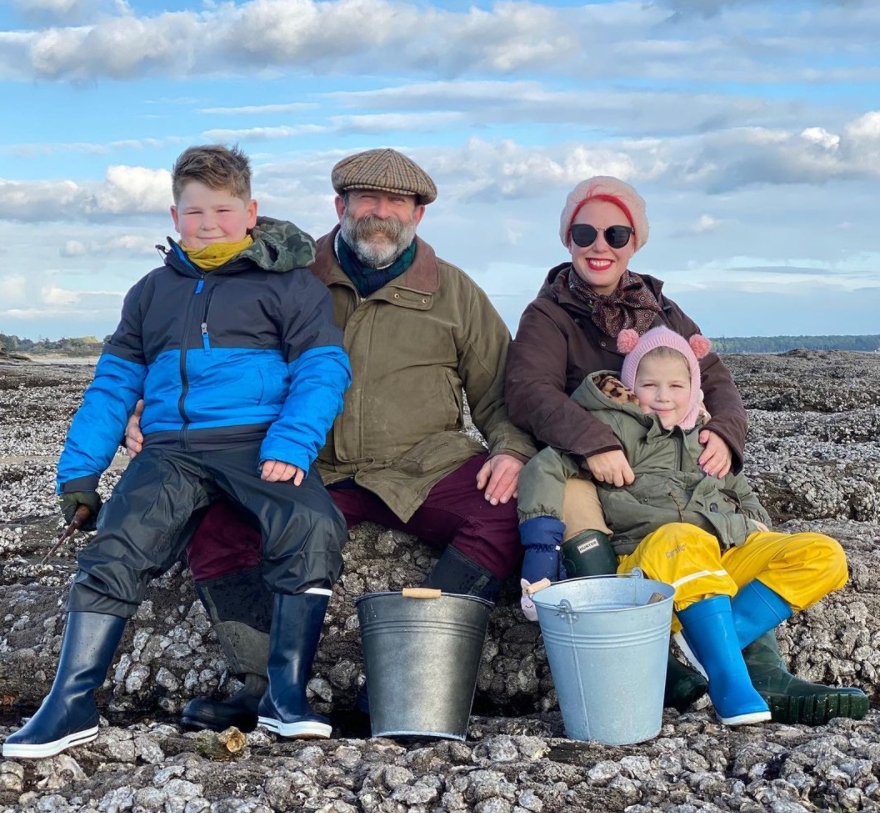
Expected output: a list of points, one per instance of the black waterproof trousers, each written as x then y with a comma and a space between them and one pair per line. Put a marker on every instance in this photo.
142, 530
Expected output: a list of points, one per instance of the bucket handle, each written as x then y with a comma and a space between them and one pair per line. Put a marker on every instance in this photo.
421, 592
566, 611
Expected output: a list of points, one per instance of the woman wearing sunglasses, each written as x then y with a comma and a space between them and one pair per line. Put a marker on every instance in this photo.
569, 331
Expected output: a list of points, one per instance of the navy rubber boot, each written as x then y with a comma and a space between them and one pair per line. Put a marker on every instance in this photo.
296, 628
757, 609
709, 632
68, 715
456, 573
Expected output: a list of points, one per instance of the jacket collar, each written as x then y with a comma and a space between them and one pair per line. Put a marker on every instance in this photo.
423, 275
555, 287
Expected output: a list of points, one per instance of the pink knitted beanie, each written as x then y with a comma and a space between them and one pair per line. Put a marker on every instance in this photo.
605, 187
693, 349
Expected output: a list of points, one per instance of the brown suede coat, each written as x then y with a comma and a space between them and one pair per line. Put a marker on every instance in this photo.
414, 345
557, 345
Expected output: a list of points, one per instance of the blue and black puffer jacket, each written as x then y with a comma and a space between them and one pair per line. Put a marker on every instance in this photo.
246, 353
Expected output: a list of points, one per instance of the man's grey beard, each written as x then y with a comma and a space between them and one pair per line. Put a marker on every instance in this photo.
359, 235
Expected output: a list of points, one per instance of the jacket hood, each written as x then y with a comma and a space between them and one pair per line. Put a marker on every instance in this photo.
589, 396
279, 246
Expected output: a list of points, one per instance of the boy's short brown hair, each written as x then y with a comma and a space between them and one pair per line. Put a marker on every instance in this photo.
214, 165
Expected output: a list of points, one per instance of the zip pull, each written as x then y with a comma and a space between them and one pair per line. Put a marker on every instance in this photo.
200, 285
206, 341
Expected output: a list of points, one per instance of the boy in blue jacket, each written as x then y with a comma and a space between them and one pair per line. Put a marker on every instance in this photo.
233, 347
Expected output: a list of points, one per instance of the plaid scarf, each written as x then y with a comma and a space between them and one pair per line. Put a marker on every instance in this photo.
369, 280
630, 305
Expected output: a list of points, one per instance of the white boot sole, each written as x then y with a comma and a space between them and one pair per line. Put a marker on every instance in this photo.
49, 749
744, 719
306, 730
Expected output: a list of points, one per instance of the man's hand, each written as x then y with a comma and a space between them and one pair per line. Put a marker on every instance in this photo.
71, 501
499, 477
134, 439
277, 471
612, 468
717, 458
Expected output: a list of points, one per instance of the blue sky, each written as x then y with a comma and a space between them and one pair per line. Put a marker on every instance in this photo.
751, 128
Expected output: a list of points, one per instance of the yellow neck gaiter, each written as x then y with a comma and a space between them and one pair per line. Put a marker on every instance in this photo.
216, 254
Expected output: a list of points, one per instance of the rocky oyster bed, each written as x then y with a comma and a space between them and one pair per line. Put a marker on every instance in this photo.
814, 458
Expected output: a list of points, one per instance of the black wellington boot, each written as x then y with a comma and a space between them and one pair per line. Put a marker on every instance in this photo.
68, 715
793, 700
455, 573
296, 628
239, 710
240, 608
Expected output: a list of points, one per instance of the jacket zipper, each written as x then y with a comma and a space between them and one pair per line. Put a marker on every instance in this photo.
206, 338
184, 378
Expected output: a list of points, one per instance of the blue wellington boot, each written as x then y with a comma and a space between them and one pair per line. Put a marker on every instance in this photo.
709, 631
68, 715
293, 642
756, 610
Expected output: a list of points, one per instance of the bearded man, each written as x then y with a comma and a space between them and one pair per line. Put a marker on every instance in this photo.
419, 333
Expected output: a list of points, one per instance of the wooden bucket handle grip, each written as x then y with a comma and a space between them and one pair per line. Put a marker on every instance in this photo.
534, 588
421, 592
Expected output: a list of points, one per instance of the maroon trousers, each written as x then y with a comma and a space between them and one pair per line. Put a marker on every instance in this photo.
455, 513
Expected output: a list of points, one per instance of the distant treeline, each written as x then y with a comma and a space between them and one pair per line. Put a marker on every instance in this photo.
91, 345
74, 346
780, 344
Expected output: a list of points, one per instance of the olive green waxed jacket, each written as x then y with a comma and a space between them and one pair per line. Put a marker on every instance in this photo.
669, 484
414, 346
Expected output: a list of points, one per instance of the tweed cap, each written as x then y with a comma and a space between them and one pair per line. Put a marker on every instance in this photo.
605, 187
386, 170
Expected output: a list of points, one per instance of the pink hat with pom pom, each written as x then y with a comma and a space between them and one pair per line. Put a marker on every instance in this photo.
693, 349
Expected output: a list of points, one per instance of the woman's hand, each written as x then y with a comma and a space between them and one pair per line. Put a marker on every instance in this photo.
612, 468
759, 525
134, 438
716, 459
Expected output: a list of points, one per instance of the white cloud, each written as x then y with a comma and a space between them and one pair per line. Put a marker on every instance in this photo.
648, 40
53, 295
258, 109
125, 191
126, 245
13, 289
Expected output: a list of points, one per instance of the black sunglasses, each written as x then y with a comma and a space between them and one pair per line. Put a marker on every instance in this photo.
585, 235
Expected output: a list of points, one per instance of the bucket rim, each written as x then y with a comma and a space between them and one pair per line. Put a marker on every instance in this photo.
443, 594
630, 575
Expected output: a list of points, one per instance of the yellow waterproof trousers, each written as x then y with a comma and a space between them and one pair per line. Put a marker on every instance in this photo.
802, 568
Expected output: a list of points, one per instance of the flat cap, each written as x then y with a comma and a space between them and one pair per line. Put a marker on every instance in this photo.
386, 170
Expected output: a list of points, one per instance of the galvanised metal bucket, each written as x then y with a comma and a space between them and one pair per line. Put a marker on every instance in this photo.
608, 648
422, 654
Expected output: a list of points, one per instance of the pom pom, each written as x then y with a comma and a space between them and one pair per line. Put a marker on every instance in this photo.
700, 345
627, 340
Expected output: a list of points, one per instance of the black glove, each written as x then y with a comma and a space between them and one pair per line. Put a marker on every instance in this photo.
71, 501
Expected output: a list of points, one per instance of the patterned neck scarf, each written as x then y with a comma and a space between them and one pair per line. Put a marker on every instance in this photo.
630, 305
369, 280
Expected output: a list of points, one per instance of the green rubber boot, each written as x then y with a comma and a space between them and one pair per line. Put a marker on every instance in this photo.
792, 700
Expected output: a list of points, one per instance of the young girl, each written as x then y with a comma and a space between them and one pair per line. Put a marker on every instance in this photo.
709, 538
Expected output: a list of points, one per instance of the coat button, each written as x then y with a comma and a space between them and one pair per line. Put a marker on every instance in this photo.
397, 296
424, 301
713, 507
602, 343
